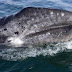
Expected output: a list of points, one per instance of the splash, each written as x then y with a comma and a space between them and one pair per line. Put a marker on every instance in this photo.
21, 53
68, 44
15, 54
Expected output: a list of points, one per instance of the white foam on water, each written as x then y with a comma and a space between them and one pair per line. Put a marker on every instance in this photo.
15, 54
68, 44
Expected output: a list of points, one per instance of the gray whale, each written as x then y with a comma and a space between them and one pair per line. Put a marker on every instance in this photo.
36, 26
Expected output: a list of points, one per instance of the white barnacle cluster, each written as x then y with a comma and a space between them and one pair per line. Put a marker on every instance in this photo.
57, 14
70, 18
41, 37
62, 14
33, 19
48, 33
35, 26
51, 12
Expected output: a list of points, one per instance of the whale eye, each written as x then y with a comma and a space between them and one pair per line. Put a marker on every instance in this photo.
9, 40
5, 29
16, 32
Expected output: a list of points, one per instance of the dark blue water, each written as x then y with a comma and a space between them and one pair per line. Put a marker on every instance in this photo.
41, 59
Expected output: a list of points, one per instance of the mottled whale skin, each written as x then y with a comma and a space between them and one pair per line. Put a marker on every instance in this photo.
35, 26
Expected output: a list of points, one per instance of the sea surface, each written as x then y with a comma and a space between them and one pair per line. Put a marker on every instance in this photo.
46, 58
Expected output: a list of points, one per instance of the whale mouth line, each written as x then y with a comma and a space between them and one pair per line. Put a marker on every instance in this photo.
50, 28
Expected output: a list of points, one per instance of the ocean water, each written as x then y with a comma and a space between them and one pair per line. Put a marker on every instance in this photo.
46, 58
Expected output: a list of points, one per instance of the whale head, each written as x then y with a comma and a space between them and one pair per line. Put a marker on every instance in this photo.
8, 34
34, 26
